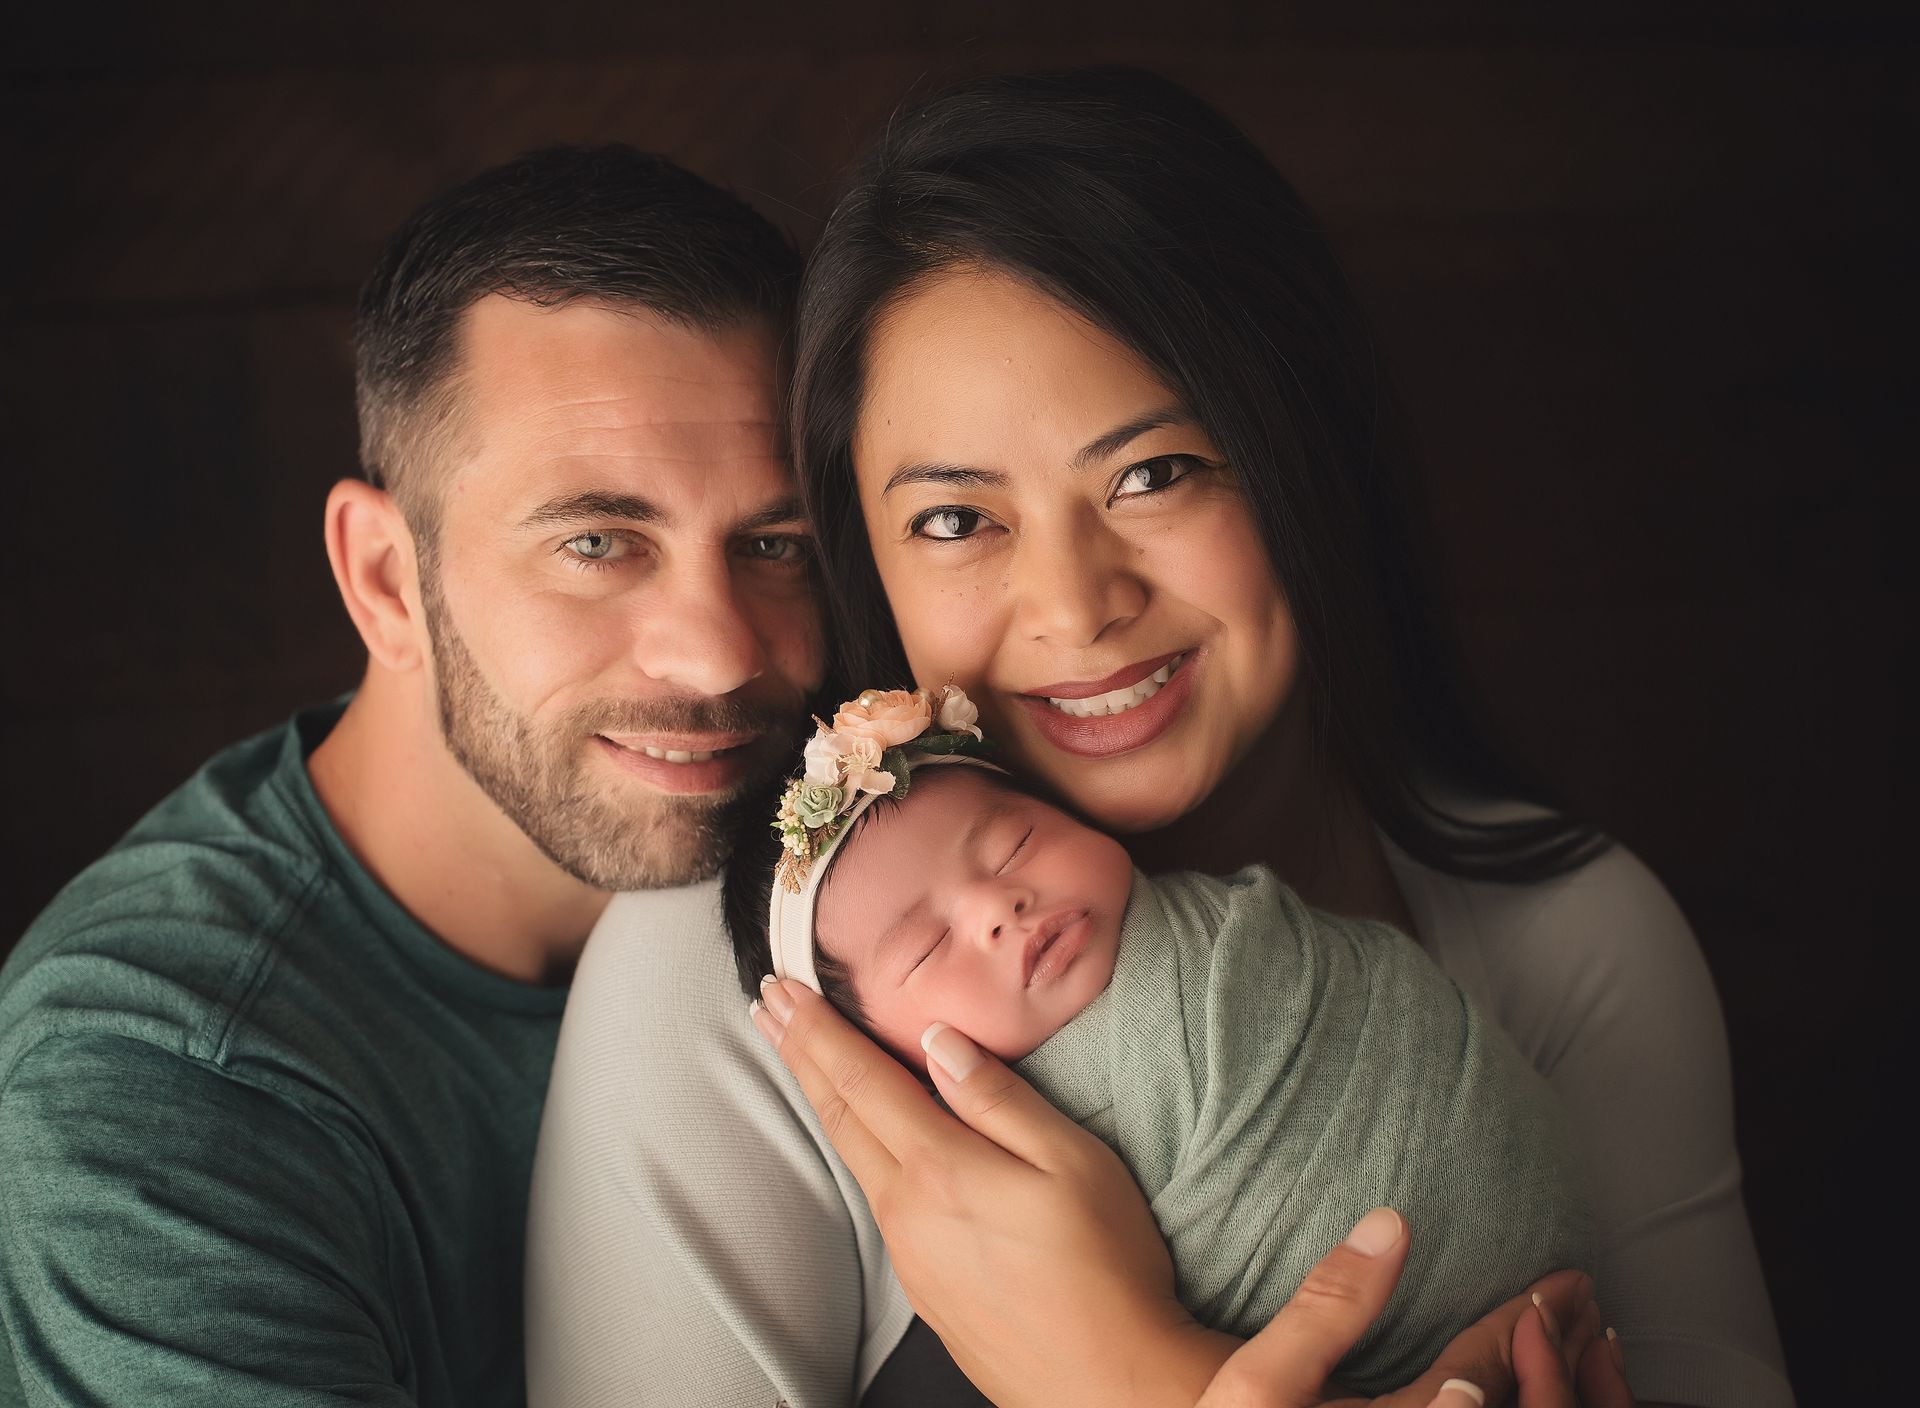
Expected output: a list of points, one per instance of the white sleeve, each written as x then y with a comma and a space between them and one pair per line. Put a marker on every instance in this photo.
1599, 979
691, 1239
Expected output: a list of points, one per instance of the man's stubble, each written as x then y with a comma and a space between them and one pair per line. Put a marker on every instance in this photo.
541, 779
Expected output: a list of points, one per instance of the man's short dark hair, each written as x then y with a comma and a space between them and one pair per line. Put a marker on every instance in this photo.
607, 223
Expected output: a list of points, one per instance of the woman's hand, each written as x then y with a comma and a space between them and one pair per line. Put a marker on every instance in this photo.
1029, 1251
1514, 1354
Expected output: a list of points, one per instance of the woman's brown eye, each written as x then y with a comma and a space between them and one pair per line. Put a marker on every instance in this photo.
947, 524
1151, 475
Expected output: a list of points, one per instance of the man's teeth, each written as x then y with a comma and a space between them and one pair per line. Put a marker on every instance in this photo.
1118, 701
674, 755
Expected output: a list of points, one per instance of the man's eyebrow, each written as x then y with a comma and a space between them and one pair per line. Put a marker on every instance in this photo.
1120, 436
780, 511
592, 504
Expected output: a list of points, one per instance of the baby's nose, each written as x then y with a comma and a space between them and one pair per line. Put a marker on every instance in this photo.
996, 912
1006, 913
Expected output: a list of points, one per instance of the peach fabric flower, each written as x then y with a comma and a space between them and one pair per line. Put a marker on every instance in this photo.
889, 717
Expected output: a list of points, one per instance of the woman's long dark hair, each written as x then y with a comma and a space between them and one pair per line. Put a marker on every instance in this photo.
1132, 202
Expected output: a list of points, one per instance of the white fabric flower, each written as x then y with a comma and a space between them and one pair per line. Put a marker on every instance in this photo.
957, 713
826, 756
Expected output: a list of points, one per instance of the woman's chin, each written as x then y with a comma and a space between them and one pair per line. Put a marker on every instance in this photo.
1125, 804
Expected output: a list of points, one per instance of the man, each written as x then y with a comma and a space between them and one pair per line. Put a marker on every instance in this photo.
271, 1070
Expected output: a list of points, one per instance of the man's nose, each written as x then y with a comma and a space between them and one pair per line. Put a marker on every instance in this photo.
696, 633
1074, 582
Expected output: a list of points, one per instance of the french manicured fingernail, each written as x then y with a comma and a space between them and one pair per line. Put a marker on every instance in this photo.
1547, 1320
769, 1026
1613, 1347
1375, 1233
952, 1052
1458, 1393
778, 1003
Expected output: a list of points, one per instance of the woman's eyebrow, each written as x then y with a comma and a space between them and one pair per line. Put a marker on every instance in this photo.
1095, 450
1120, 436
958, 474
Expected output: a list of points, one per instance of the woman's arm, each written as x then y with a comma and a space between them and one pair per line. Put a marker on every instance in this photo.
691, 1238
1023, 1242
1599, 980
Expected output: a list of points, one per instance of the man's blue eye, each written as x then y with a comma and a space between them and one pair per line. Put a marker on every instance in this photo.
592, 546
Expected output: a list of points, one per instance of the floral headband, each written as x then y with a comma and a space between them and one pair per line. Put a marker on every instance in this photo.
868, 751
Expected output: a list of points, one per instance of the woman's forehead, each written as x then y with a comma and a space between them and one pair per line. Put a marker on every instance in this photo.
982, 366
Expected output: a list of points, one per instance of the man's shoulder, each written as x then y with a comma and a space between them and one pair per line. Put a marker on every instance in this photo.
168, 931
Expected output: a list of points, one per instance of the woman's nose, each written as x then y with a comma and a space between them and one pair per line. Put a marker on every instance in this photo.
1074, 584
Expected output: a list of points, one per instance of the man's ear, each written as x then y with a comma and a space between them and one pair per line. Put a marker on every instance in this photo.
371, 551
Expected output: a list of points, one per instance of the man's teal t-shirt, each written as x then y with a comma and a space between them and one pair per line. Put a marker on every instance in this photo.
264, 1140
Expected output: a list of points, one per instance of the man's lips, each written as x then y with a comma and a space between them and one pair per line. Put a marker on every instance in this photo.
680, 747
1052, 946
682, 764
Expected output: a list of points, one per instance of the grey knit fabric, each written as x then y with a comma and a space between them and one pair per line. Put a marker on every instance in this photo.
1270, 1073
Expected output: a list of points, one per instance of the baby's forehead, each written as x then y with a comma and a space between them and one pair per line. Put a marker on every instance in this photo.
939, 799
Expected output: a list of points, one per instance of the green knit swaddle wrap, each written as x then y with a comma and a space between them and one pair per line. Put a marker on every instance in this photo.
1270, 1073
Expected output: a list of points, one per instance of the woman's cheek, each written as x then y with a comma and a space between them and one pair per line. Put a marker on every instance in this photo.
947, 635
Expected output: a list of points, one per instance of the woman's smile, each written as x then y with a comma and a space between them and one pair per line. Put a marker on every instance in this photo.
1118, 720
1116, 693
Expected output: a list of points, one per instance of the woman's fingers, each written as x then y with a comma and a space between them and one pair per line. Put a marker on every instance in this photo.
871, 1107
1585, 1328
1290, 1361
1601, 1375
1483, 1353
989, 1097
1539, 1364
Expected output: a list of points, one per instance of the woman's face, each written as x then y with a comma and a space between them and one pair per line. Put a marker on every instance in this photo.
1057, 536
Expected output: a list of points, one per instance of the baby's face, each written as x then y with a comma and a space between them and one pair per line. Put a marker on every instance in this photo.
977, 906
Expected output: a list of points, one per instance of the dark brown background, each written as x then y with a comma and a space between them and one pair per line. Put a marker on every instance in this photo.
1635, 274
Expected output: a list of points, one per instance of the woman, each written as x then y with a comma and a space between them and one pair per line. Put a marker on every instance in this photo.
1090, 425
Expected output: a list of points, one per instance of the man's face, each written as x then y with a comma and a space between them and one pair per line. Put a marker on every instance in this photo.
619, 601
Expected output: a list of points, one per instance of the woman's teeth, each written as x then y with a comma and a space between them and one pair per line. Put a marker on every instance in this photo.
1118, 701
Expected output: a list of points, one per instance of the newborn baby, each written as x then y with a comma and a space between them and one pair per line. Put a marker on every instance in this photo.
1269, 1073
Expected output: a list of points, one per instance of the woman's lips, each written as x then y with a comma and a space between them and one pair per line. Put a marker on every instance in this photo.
1121, 678
1102, 736
1053, 946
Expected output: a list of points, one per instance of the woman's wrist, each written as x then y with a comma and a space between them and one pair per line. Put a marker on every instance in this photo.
1176, 1360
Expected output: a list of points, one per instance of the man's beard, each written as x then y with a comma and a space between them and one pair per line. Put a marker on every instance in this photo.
541, 778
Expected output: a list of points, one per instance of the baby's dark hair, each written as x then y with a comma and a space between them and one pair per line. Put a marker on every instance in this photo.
746, 891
